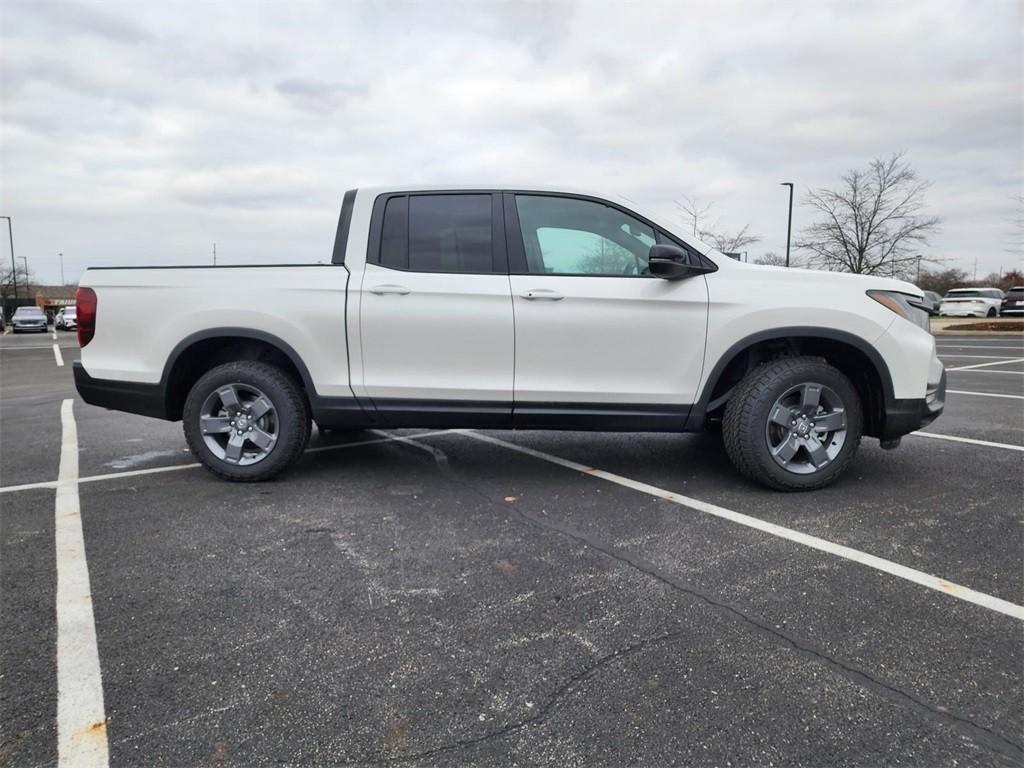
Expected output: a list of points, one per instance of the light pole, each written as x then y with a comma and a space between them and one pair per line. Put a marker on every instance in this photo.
789, 222
14, 269
61, 268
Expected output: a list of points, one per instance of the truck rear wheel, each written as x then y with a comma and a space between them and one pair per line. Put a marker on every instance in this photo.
246, 421
793, 424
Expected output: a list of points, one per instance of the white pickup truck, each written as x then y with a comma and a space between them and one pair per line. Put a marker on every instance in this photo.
499, 308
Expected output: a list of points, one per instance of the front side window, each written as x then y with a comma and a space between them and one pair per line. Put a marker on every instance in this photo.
568, 236
438, 233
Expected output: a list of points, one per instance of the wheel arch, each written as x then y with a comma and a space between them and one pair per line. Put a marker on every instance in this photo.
198, 352
852, 355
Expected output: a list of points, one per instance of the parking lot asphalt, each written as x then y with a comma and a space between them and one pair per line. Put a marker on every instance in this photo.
465, 598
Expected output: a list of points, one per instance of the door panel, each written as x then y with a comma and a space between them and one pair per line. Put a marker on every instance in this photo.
436, 336
610, 340
595, 332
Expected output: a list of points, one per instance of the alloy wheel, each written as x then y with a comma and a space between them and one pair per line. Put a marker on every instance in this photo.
806, 428
239, 424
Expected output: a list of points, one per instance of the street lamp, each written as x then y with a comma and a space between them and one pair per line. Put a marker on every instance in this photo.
61, 255
14, 269
789, 223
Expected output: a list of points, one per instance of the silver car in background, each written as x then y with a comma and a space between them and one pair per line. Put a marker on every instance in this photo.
28, 319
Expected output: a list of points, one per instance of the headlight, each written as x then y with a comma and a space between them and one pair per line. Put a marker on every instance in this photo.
905, 305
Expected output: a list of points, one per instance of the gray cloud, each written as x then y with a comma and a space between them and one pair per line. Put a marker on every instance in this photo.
149, 130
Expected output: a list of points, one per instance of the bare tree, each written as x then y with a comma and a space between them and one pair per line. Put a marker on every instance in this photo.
696, 212
873, 224
771, 259
730, 242
7, 282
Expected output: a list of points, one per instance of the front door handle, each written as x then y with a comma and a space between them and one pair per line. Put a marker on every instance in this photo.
542, 293
396, 290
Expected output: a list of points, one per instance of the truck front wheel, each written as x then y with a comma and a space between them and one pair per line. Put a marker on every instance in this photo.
793, 424
246, 421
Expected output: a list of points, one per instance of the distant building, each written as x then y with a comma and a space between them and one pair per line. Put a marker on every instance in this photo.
50, 298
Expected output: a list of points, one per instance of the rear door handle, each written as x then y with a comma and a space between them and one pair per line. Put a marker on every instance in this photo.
542, 293
383, 290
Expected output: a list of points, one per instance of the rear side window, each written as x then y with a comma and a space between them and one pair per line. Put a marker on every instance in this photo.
438, 233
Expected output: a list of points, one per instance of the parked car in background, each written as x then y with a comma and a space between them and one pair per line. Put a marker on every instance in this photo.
28, 319
932, 300
971, 302
66, 319
1013, 302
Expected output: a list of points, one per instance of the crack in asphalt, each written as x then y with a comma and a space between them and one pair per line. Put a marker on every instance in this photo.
981, 734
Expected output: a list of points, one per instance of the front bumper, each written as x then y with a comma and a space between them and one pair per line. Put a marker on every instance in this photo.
26, 327
905, 416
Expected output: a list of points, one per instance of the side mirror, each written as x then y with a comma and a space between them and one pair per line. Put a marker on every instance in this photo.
670, 262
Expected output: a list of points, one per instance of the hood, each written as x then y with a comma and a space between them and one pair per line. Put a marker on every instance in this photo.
814, 276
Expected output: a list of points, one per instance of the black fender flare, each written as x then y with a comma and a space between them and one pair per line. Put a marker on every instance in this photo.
698, 413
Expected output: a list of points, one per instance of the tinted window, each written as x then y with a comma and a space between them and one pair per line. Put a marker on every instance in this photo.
450, 233
567, 236
1016, 292
394, 252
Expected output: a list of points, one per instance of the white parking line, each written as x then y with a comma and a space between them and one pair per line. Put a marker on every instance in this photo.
81, 720
20, 349
983, 394
985, 365
968, 368
880, 564
1015, 347
54, 334
58, 356
195, 465
979, 357
970, 440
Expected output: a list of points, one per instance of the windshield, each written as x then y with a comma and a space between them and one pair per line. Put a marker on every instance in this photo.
1016, 292
69, 312
30, 311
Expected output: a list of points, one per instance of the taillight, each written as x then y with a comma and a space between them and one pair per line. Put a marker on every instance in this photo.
85, 306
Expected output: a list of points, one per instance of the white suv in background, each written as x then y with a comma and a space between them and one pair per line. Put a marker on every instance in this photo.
971, 302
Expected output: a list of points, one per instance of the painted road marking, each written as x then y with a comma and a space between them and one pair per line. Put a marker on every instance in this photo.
1017, 347
970, 440
54, 334
195, 465
979, 357
985, 365
982, 394
20, 349
81, 721
880, 564
58, 356
1005, 373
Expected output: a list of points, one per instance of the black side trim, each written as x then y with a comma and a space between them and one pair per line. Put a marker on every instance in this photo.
348, 202
695, 423
608, 417
341, 413
444, 414
601, 417
143, 399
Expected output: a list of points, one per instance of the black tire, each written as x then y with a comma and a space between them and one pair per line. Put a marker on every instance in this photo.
748, 412
992, 312
291, 414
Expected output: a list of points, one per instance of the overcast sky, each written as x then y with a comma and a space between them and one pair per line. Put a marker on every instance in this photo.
144, 132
